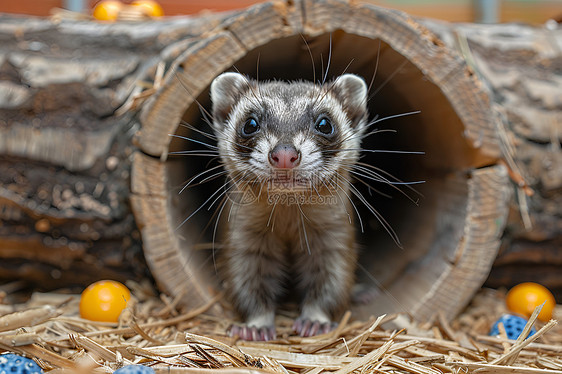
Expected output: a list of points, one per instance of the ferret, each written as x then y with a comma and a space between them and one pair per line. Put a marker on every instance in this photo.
288, 148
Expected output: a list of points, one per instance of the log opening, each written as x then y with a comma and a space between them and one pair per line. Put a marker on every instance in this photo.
449, 239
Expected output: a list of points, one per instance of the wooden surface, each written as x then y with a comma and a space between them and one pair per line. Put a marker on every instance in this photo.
73, 146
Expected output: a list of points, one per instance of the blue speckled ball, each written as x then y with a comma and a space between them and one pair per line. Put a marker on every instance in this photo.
14, 364
134, 369
513, 325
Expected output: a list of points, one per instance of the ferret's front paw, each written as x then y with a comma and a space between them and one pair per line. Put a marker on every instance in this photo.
245, 332
306, 327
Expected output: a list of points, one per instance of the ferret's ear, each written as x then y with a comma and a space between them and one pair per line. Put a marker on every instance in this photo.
226, 89
352, 90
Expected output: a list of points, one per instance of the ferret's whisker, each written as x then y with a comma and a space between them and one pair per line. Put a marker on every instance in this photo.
376, 68
335, 188
190, 181
271, 214
345, 191
357, 174
207, 117
204, 111
388, 79
232, 185
194, 141
201, 206
369, 187
256, 180
378, 178
196, 152
222, 205
359, 218
214, 176
206, 202
377, 170
329, 61
377, 120
321, 65
383, 288
331, 86
304, 228
347, 66
388, 228
213, 156
373, 151
258, 67
373, 175
392, 184
375, 213
361, 136
211, 136
311, 58
193, 128
207, 179
376, 131
315, 189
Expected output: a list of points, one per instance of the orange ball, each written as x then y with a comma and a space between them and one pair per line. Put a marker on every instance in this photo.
149, 7
107, 10
525, 297
104, 301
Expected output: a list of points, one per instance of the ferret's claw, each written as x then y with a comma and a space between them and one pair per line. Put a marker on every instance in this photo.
305, 327
253, 333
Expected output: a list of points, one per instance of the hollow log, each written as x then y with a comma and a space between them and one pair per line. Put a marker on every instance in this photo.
87, 110
449, 240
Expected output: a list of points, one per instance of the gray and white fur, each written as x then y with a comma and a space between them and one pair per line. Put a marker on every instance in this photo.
288, 149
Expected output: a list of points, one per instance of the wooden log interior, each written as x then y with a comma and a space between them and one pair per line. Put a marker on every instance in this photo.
450, 237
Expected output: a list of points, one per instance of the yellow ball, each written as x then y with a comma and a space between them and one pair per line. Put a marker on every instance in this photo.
149, 7
107, 10
104, 301
525, 297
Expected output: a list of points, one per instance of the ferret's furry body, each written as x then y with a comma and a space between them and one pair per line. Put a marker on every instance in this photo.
288, 149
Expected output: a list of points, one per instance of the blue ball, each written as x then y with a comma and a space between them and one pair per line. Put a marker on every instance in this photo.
134, 369
513, 326
14, 364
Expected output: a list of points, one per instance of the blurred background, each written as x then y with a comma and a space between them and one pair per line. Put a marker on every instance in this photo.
487, 11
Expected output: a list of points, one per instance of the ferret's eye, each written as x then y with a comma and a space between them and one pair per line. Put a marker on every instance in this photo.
324, 126
250, 127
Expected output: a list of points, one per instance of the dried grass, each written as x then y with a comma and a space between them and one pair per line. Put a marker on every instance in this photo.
151, 332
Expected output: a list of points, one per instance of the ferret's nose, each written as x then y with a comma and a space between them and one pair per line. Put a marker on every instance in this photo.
284, 156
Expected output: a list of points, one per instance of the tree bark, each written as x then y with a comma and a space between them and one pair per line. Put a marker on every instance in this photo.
66, 146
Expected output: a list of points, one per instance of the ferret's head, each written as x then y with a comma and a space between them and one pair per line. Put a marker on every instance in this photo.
268, 130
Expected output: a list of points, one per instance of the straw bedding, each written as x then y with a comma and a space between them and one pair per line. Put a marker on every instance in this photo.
153, 332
